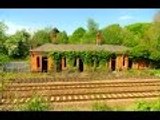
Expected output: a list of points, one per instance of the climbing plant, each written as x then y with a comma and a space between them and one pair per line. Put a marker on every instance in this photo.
87, 56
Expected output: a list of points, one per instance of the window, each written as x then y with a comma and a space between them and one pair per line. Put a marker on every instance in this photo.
64, 62
38, 62
123, 61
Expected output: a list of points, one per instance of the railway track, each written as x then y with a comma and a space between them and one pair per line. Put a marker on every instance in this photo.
54, 92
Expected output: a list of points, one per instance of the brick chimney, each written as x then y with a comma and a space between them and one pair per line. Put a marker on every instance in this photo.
99, 38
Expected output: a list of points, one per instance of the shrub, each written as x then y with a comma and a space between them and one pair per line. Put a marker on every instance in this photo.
101, 107
142, 106
35, 104
156, 106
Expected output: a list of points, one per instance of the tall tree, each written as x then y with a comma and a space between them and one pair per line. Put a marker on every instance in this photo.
138, 28
129, 39
3, 36
113, 34
17, 44
40, 37
76, 37
62, 37
92, 25
90, 35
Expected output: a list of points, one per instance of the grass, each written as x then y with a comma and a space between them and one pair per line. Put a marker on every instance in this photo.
36, 103
100, 106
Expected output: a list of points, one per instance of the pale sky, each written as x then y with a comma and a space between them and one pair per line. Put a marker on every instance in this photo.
70, 19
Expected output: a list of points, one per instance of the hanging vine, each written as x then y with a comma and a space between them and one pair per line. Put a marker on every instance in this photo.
87, 56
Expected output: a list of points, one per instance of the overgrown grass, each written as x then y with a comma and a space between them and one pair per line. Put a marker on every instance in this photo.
36, 103
93, 75
100, 106
147, 106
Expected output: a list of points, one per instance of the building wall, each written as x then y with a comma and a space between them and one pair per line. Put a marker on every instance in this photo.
50, 64
141, 64
33, 62
121, 62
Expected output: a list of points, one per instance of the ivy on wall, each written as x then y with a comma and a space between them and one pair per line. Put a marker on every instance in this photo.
87, 56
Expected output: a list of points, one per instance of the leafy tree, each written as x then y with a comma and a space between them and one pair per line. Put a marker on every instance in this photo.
138, 28
40, 37
62, 37
140, 52
4, 58
77, 36
92, 25
3, 29
113, 34
3, 37
17, 44
129, 39
90, 35
155, 58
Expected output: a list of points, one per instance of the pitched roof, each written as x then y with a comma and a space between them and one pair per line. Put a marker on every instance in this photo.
48, 47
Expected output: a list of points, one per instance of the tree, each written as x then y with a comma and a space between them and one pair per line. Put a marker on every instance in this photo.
40, 37
3, 37
53, 35
138, 28
3, 58
113, 34
17, 44
152, 34
77, 36
92, 25
90, 35
62, 37
140, 52
3, 29
129, 39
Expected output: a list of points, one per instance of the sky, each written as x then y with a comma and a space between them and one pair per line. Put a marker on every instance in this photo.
71, 19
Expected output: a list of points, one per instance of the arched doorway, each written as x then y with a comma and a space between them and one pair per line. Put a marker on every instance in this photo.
80, 68
44, 64
130, 63
113, 63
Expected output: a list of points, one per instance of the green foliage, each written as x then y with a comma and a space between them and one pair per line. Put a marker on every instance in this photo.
129, 39
3, 35
147, 106
140, 52
4, 58
86, 56
62, 37
90, 35
17, 44
138, 28
113, 34
92, 25
76, 37
35, 104
101, 107
89, 38
40, 37
142, 106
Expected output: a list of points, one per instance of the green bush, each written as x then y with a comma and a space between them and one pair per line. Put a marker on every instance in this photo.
142, 106
101, 107
35, 104
156, 106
